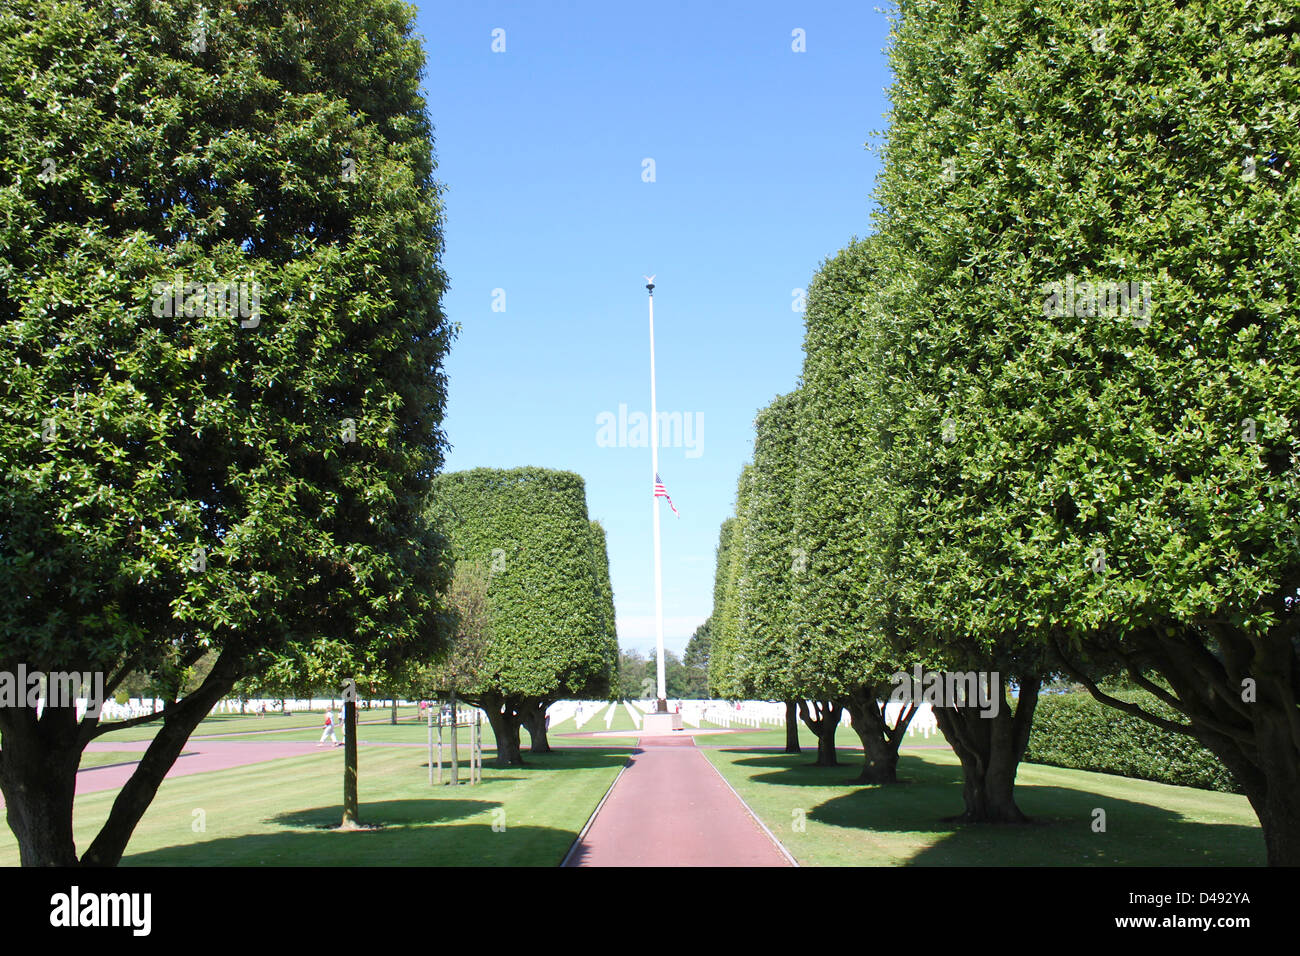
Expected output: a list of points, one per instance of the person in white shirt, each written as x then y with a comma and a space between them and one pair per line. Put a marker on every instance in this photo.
329, 728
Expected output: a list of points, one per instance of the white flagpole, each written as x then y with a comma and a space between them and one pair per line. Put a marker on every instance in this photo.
662, 704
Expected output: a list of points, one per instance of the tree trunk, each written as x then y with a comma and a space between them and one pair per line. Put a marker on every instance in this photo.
823, 721
1256, 737
1263, 754
1269, 776
1263, 751
505, 726
1279, 815
392, 719
880, 742
535, 720
990, 748
38, 776
38, 773
135, 796
455, 739
351, 802
792, 728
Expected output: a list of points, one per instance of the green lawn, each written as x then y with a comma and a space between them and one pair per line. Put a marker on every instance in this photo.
272, 724
100, 758
845, 739
277, 813
374, 724
594, 724
408, 730
1147, 824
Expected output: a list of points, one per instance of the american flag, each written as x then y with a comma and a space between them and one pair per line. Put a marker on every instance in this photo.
662, 492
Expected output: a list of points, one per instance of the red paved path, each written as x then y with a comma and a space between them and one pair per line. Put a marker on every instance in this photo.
197, 757
671, 808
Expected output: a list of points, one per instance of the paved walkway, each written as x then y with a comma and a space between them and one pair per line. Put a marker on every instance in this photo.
197, 757
670, 807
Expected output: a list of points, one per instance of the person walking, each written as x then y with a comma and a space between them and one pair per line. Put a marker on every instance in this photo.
329, 728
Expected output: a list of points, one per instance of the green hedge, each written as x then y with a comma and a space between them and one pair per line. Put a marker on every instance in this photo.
1077, 731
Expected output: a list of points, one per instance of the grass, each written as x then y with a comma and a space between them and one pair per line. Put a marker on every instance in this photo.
101, 758
1147, 824
594, 724
774, 737
270, 727
278, 813
375, 727
412, 731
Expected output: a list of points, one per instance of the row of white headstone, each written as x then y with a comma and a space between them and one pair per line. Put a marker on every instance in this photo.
111, 709
731, 714
723, 713
758, 713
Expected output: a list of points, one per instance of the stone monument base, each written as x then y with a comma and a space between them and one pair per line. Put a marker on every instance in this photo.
653, 724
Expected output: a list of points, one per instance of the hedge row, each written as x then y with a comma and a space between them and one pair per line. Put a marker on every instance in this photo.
1076, 731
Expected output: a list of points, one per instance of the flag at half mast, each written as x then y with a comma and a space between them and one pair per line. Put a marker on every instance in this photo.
662, 492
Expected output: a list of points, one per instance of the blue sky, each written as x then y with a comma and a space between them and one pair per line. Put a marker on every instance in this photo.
760, 173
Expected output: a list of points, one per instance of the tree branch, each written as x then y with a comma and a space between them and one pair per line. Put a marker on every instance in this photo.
1186, 704
1125, 706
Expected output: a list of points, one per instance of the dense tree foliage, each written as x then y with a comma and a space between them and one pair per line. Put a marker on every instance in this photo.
602, 680
1051, 407
636, 676
768, 656
605, 607
1092, 316
768, 659
462, 667
221, 327
724, 669
551, 606
695, 662
843, 528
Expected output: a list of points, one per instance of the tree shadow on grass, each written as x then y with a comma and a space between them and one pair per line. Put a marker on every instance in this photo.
905, 821
798, 770
462, 844
1060, 832
574, 758
394, 813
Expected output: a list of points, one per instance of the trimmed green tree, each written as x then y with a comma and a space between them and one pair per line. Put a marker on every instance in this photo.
723, 679
1096, 212
771, 654
550, 634
846, 525
602, 679
221, 327
446, 677
695, 662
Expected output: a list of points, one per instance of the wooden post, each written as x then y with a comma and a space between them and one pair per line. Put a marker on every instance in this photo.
473, 750
455, 746
478, 742
351, 811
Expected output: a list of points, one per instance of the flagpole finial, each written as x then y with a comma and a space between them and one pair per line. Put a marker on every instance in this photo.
650, 283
